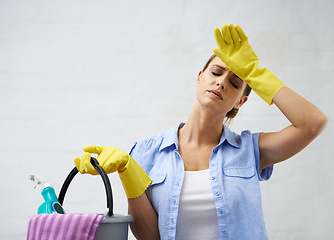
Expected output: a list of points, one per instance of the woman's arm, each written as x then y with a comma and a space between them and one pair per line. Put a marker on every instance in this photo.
145, 225
135, 182
307, 121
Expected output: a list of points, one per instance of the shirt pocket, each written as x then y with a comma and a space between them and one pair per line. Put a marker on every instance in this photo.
241, 172
157, 191
157, 179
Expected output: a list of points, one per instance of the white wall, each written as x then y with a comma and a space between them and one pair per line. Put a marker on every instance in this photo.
74, 73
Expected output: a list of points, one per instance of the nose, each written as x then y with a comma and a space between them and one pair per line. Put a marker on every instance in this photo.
222, 80
218, 84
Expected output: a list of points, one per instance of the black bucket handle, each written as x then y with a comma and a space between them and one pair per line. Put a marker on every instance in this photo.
105, 179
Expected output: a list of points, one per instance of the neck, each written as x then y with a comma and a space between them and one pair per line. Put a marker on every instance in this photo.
202, 128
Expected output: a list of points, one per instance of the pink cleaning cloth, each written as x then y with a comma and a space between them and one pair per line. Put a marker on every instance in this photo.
64, 226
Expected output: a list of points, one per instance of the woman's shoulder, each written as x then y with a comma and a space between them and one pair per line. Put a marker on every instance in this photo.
237, 135
148, 143
242, 138
156, 142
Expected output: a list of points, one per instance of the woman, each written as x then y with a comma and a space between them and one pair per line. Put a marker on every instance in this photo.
200, 180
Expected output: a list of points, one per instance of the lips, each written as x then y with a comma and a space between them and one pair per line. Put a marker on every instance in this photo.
216, 93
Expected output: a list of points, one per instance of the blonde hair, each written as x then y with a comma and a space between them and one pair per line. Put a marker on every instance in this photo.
231, 114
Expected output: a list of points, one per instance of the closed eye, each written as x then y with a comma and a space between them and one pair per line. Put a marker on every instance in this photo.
215, 74
234, 85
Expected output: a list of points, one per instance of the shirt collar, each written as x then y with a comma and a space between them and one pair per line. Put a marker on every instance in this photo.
171, 137
231, 137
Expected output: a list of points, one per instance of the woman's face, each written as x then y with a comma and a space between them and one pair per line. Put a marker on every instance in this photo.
219, 89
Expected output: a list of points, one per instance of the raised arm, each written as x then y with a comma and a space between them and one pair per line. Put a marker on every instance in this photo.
307, 121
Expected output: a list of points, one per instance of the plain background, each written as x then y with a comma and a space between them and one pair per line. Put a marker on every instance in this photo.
76, 73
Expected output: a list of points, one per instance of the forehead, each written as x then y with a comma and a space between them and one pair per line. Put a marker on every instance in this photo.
217, 61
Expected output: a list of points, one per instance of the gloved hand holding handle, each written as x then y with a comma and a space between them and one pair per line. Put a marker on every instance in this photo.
134, 179
237, 54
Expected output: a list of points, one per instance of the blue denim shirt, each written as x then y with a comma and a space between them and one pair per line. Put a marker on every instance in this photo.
234, 173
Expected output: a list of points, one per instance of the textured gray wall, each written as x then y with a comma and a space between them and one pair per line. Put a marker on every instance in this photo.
74, 73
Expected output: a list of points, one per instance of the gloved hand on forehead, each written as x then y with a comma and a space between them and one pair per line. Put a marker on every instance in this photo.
134, 179
238, 55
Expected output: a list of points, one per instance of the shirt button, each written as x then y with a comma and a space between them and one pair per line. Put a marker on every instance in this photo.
212, 164
213, 178
217, 193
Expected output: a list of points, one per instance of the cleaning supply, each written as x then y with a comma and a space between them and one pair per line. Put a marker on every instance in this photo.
238, 55
112, 226
76, 226
51, 204
64, 226
134, 179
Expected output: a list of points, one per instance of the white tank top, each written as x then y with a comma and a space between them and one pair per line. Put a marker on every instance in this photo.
197, 216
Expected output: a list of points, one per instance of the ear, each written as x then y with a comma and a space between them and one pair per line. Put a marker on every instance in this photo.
241, 102
199, 77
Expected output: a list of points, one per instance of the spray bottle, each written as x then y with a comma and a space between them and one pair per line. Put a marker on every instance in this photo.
51, 204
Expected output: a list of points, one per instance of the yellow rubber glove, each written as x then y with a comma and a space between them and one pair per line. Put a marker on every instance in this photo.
237, 54
134, 179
